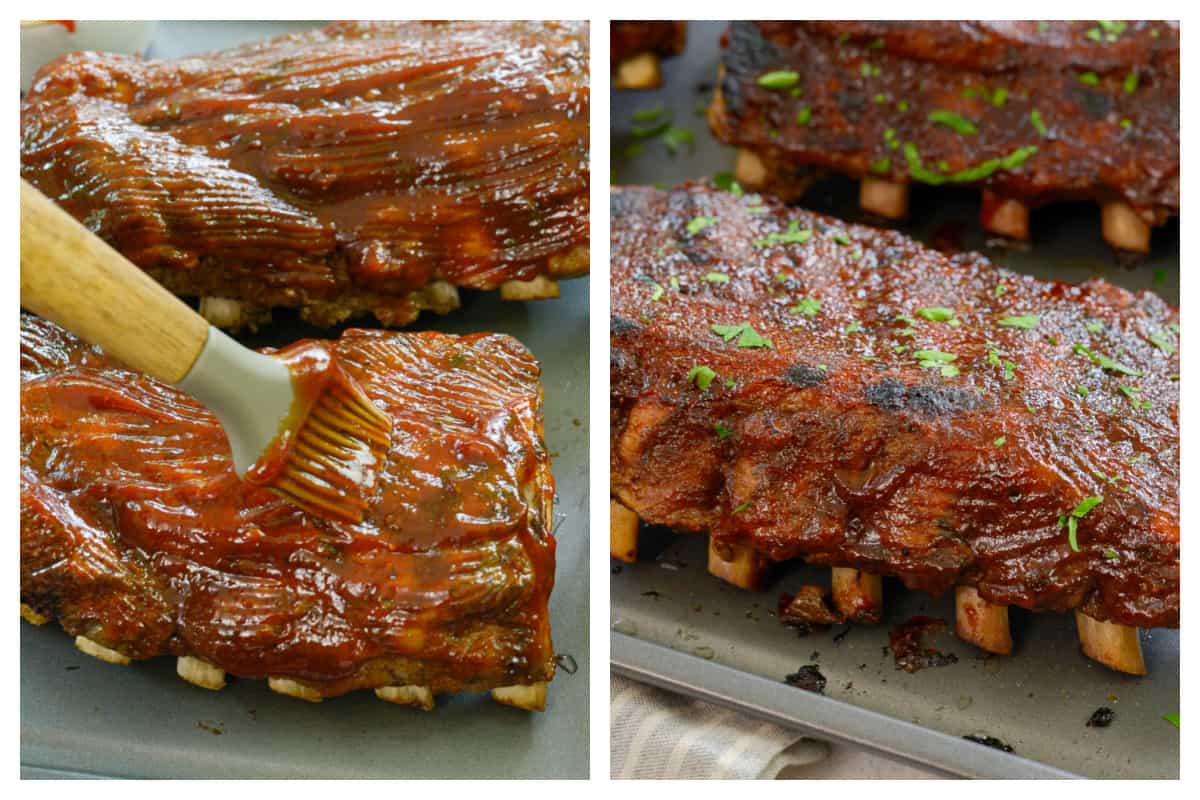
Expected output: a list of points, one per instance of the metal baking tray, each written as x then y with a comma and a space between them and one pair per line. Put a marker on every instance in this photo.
81, 717
677, 627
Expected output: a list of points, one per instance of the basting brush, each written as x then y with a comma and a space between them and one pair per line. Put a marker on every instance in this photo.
297, 422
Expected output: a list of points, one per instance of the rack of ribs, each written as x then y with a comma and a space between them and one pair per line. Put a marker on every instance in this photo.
635, 49
797, 387
363, 167
1029, 112
139, 539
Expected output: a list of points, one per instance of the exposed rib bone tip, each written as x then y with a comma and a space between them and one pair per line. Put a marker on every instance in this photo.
531, 697
1004, 216
540, 288
97, 650
622, 532
293, 689
200, 673
222, 312
857, 595
31, 616
980, 622
441, 296
736, 564
749, 169
885, 198
638, 72
416, 696
1124, 229
1113, 645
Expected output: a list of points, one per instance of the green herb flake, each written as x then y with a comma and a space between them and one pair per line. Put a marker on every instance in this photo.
876, 45
1130, 84
804, 116
779, 79
1043, 26
725, 182
1090, 79
745, 334
956, 122
880, 99
999, 290
918, 171
1163, 341
1072, 530
852, 328
889, 139
716, 277
1126, 123
700, 223
1095, 327
1082, 391
1111, 555
1104, 362
1025, 321
648, 114
1000, 97
793, 235
656, 292
808, 306
936, 313
739, 509
881, 166
1086, 505
650, 131
674, 283
702, 376
841, 238
935, 359
1172, 718
902, 106
999, 442
1035, 119
675, 138
722, 431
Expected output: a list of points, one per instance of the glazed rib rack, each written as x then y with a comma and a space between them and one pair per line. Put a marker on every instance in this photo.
636, 48
796, 387
139, 539
363, 167
1030, 113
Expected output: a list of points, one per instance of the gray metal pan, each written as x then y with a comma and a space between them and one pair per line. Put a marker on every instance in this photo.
676, 626
81, 717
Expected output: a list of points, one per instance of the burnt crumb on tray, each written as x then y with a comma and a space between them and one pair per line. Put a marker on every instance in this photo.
1102, 717
910, 651
809, 678
989, 741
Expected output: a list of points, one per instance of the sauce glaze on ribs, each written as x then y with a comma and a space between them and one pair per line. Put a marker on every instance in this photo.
360, 167
137, 534
1102, 114
865, 402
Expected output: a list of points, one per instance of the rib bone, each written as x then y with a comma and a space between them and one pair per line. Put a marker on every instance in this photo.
736, 564
416, 696
531, 697
982, 623
638, 72
888, 199
858, 595
200, 673
32, 617
1004, 217
222, 311
99, 651
540, 288
1124, 229
749, 170
1113, 645
293, 689
622, 532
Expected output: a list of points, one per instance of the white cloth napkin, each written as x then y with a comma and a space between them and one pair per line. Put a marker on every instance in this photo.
658, 734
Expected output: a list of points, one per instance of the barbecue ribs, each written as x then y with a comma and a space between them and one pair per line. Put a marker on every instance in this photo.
1031, 112
636, 47
364, 167
137, 536
801, 388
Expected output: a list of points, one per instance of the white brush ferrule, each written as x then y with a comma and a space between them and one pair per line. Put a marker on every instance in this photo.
250, 393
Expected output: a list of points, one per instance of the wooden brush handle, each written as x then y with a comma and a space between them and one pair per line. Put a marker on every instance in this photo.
69, 275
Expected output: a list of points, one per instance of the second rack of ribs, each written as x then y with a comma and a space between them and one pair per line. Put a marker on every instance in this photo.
843, 442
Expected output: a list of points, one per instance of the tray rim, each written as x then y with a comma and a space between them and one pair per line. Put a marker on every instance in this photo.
729, 687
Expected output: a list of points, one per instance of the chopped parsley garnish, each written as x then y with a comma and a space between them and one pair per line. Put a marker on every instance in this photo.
700, 223
745, 334
1089, 78
1072, 520
1132, 393
657, 292
1008, 367
868, 70
701, 376
740, 509
648, 114
804, 116
902, 106
1035, 119
918, 171
1160, 340
808, 306
725, 181
1000, 289
650, 131
780, 79
956, 122
1130, 83
1172, 718
1104, 362
722, 431
936, 313
1126, 123
935, 359
841, 238
675, 138
793, 235
889, 138
674, 283
853, 327
716, 277
1111, 555
1082, 391
881, 166
1000, 97
1026, 321
880, 98
1095, 327
1000, 441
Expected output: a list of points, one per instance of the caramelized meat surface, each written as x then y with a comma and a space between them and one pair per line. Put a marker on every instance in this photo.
838, 393
1036, 112
360, 167
136, 533
628, 38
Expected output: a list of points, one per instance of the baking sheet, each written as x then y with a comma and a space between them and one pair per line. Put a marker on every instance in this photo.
677, 626
83, 718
